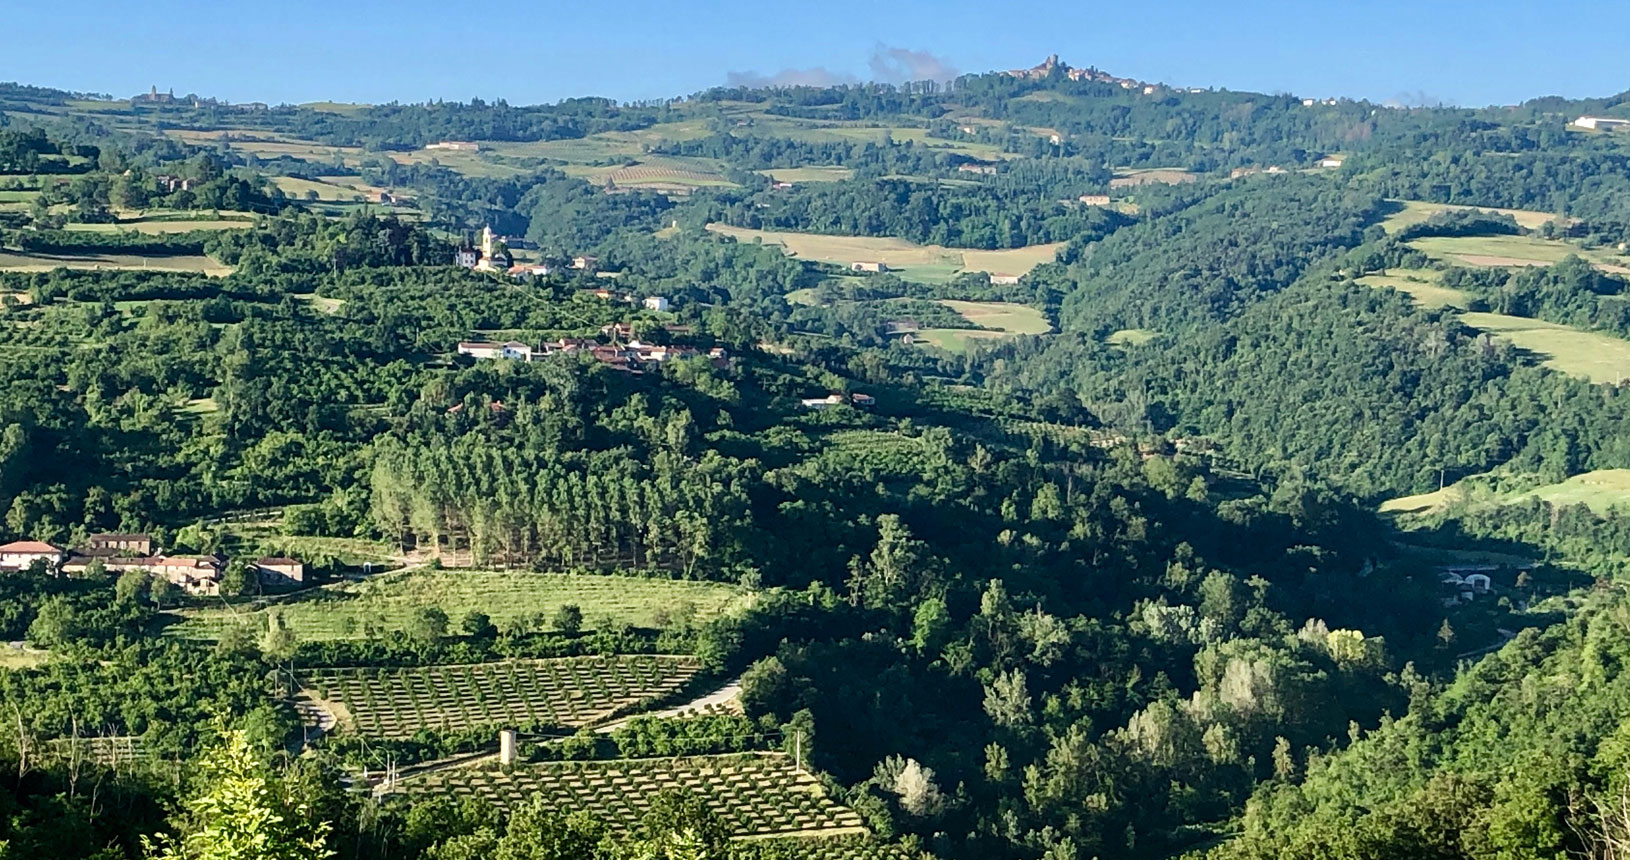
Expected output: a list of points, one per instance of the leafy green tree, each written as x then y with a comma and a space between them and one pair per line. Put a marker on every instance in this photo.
478, 625
427, 625
242, 813
568, 619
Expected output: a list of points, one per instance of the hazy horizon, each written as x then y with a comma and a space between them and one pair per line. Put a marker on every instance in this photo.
412, 51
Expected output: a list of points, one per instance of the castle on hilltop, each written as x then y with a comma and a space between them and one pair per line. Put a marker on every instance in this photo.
1052, 63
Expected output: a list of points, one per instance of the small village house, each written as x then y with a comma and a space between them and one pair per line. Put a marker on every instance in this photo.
868, 266
121, 544
513, 350
656, 303
1093, 199
586, 263
21, 555
1004, 280
276, 570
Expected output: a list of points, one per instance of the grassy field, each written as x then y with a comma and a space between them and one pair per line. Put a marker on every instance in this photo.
754, 795
1417, 211
926, 263
20, 262
1006, 318
805, 296
22, 658
385, 603
1602, 490
1420, 285
569, 692
833, 131
297, 187
809, 174
1131, 337
1597, 357
162, 223
1513, 251
1166, 175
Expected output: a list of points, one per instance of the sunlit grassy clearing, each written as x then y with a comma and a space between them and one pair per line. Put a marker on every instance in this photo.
1420, 285
933, 263
1595, 356
1417, 211
389, 601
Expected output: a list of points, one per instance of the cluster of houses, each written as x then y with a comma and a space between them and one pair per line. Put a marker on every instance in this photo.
490, 256
633, 355
1467, 582
198, 575
1045, 69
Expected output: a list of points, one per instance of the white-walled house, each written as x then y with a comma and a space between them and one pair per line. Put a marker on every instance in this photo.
21, 554
514, 350
656, 303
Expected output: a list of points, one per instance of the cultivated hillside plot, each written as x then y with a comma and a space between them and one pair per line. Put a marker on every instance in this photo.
1419, 284
1514, 252
755, 794
11, 261
1000, 320
929, 263
568, 693
1593, 355
384, 604
1417, 211
1601, 490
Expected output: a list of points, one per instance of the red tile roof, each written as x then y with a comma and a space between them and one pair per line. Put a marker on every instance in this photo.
28, 546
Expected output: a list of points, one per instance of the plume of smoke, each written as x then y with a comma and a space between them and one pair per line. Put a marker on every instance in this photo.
898, 65
815, 76
1419, 98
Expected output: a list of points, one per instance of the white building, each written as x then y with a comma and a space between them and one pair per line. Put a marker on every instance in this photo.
1603, 123
20, 554
492, 259
467, 257
1330, 162
1001, 280
656, 303
822, 402
514, 350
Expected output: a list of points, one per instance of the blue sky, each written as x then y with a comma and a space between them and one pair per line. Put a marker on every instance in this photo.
1468, 53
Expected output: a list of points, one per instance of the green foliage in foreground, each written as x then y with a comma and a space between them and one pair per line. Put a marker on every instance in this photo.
1526, 755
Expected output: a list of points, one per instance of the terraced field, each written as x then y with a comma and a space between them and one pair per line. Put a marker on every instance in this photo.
569, 692
754, 794
383, 604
